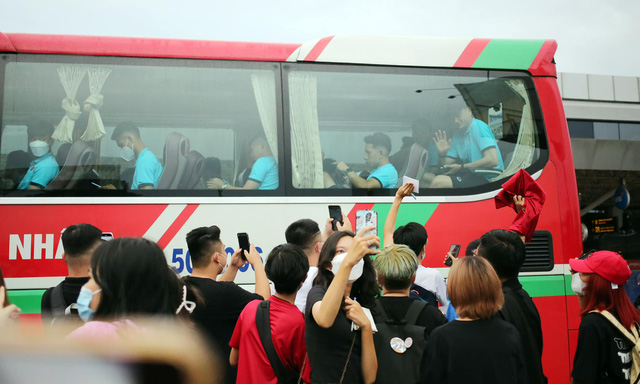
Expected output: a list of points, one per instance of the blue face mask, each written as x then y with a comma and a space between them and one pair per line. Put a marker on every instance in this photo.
84, 299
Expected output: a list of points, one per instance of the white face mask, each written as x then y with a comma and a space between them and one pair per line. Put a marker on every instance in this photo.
126, 152
39, 148
577, 285
225, 266
356, 271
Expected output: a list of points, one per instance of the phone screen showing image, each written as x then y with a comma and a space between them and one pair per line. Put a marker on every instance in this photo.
367, 219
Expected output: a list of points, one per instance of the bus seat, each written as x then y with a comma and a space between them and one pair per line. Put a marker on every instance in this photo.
176, 148
77, 167
192, 171
63, 153
416, 163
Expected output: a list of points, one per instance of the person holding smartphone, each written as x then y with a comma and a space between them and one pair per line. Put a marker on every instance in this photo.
346, 283
223, 300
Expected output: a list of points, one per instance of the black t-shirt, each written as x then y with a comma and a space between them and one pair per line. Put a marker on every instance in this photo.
520, 310
70, 290
396, 309
603, 354
217, 316
328, 348
481, 351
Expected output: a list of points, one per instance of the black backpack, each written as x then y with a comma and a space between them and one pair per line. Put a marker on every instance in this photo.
399, 345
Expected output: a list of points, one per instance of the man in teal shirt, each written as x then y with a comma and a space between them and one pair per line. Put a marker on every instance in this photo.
376, 155
44, 167
147, 167
472, 147
264, 171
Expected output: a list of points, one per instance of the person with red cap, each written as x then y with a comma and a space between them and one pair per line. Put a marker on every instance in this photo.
608, 331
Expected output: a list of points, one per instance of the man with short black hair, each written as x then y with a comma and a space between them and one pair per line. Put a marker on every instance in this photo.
44, 168
223, 300
147, 168
79, 242
506, 252
376, 155
287, 268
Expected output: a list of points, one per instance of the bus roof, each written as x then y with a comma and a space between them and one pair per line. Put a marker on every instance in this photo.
535, 56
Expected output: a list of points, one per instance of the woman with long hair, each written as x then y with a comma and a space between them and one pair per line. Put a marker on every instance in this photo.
478, 347
346, 283
609, 319
130, 279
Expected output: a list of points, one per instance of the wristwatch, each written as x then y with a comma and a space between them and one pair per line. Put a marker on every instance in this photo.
224, 185
348, 170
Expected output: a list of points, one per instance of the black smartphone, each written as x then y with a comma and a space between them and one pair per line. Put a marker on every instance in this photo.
454, 250
243, 243
335, 212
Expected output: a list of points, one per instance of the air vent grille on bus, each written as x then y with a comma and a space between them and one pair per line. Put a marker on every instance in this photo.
539, 253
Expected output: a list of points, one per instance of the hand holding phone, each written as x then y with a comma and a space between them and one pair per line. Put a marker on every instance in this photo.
367, 218
243, 244
453, 254
335, 212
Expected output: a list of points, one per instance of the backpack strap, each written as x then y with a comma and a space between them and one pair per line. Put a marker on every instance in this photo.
58, 305
414, 312
612, 319
263, 323
382, 314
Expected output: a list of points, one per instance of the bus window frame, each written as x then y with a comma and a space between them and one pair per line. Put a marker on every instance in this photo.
274, 67
480, 191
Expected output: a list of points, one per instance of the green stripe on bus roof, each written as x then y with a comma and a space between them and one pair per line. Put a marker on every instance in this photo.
28, 300
543, 286
418, 212
509, 54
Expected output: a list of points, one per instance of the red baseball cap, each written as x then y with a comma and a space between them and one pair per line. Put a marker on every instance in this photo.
609, 265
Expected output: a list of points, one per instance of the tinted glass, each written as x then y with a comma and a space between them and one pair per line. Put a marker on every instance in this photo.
199, 124
361, 128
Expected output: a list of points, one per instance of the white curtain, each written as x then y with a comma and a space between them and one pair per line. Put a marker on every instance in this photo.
306, 149
70, 77
95, 127
264, 90
526, 143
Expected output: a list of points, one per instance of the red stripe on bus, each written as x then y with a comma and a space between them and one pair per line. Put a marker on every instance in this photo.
471, 53
177, 224
317, 50
541, 64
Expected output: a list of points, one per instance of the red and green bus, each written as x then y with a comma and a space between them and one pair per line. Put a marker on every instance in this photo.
197, 105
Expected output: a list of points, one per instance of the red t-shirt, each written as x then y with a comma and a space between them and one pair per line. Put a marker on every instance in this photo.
287, 333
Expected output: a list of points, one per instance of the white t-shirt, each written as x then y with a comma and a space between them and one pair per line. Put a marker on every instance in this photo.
433, 281
301, 297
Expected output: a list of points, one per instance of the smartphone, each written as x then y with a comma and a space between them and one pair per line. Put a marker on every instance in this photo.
454, 250
367, 218
107, 236
335, 212
243, 243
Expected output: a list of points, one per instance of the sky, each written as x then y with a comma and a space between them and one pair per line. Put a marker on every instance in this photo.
594, 36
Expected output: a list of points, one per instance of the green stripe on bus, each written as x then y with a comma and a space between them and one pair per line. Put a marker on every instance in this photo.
509, 54
543, 286
28, 300
567, 285
418, 212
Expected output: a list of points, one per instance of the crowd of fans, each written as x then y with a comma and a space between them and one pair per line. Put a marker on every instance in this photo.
344, 310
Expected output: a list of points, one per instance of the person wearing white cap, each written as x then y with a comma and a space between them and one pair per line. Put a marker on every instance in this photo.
609, 327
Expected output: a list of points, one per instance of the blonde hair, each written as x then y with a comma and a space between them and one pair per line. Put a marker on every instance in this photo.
474, 288
397, 265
